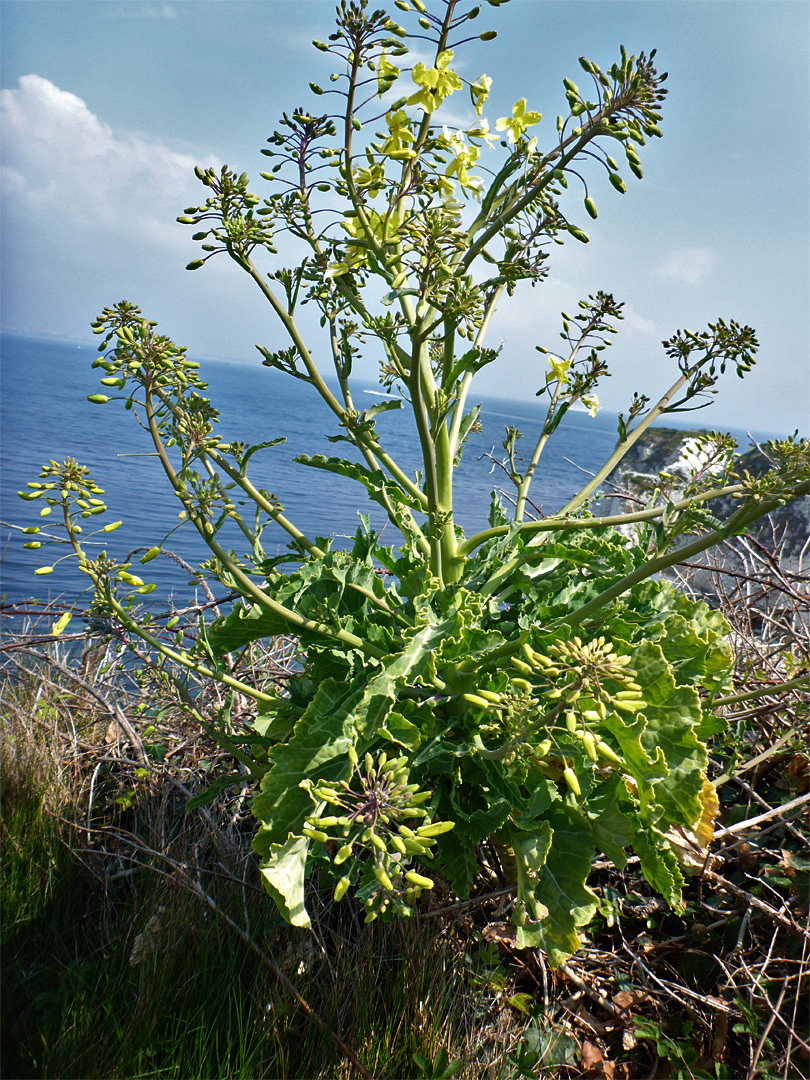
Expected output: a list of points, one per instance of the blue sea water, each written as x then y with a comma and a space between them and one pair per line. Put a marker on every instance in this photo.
44, 414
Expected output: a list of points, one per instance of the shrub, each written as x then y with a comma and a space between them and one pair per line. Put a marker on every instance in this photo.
536, 684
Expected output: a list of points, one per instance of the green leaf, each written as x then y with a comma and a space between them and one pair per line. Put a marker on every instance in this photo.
283, 872
561, 887
242, 626
374, 481
317, 750
612, 828
672, 714
658, 862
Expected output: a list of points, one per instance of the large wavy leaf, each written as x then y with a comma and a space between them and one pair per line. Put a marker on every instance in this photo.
317, 749
561, 886
283, 872
672, 714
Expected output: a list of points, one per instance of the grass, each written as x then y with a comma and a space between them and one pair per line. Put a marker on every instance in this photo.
137, 943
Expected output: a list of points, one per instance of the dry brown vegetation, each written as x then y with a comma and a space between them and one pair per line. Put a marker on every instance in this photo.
137, 940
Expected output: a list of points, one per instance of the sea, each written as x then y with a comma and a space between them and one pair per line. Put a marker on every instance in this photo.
44, 415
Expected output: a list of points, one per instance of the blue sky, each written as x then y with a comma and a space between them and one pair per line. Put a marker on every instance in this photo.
107, 105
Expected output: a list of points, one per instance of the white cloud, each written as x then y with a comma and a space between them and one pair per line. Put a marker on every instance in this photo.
634, 321
66, 168
137, 9
689, 265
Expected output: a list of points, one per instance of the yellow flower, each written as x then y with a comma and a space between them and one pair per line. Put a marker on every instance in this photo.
479, 92
591, 403
399, 126
437, 83
559, 370
518, 122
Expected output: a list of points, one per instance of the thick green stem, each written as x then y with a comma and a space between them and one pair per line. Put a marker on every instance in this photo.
569, 524
737, 523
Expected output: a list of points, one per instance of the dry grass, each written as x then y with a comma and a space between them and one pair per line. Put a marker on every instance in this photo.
167, 957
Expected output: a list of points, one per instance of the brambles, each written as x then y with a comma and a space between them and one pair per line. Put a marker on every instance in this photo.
536, 684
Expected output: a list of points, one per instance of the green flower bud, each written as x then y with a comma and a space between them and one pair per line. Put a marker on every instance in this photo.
341, 887
343, 854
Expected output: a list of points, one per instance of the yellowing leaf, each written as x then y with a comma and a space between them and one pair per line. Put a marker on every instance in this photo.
61, 623
709, 805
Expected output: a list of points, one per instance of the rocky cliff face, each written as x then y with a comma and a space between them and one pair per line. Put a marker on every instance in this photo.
666, 450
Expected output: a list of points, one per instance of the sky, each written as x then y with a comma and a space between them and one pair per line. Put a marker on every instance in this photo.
106, 106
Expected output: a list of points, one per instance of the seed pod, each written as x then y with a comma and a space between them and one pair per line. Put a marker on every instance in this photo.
523, 668
606, 753
589, 744
341, 887
129, 579
418, 879
628, 706
383, 878
315, 834
417, 847
570, 778
490, 695
436, 829
419, 797
522, 685
479, 702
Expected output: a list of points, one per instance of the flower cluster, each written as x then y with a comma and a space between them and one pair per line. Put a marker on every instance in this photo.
372, 809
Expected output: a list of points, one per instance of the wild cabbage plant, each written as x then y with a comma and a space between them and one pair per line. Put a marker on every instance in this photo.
537, 686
